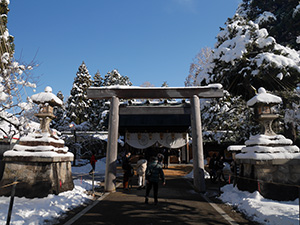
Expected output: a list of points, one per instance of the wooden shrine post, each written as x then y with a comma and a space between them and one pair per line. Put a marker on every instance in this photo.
127, 92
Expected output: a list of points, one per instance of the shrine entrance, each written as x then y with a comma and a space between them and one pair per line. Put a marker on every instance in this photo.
158, 121
157, 126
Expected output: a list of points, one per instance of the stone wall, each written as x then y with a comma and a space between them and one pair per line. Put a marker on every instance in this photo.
273, 179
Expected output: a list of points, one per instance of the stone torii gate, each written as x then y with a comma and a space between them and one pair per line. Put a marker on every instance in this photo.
114, 93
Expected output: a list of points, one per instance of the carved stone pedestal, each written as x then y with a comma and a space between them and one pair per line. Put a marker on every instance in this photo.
37, 176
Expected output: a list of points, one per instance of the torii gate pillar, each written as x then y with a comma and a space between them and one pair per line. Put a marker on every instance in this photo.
198, 157
112, 146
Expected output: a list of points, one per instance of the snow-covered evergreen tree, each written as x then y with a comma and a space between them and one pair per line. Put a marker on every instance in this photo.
97, 106
110, 79
78, 104
61, 121
115, 78
227, 119
280, 18
246, 56
97, 80
254, 49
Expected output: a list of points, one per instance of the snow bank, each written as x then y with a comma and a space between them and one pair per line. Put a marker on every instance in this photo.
191, 175
262, 210
37, 211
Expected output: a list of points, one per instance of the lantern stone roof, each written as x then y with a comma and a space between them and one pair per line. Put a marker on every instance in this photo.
47, 97
264, 97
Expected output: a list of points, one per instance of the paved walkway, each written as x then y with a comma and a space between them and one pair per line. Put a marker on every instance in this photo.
178, 204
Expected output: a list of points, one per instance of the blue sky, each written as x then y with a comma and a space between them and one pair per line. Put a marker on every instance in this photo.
146, 40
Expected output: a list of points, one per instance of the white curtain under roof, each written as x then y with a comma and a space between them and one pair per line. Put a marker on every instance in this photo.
146, 140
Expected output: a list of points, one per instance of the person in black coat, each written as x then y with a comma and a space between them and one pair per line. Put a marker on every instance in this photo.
219, 168
213, 168
127, 170
154, 172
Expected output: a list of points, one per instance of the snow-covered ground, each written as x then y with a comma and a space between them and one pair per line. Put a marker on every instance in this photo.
256, 207
39, 211
262, 210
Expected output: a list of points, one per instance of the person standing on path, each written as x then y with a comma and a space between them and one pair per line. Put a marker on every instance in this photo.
212, 168
93, 161
127, 169
160, 158
153, 173
219, 168
141, 167
166, 158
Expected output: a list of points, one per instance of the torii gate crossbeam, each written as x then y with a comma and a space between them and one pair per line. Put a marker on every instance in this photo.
114, 93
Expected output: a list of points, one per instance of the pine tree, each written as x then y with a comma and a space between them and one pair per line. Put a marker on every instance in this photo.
97, 80
78, 103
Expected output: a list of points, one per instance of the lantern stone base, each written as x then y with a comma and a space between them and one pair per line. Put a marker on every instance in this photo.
37, 176
274, 179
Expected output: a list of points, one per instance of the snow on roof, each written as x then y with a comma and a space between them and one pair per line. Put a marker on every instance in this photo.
46, 97
234, 148
215, 86
264, 97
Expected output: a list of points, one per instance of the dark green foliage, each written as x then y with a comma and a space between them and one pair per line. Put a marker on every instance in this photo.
227, 119
286, 28
246, 56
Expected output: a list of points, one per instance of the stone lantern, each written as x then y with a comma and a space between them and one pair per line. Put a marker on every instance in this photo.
46, 101
269, 163
262, 104
40, 161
